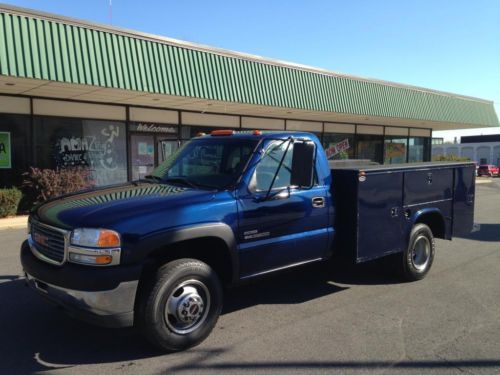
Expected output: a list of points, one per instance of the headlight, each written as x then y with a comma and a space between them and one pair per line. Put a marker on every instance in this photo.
98, 247
95, 238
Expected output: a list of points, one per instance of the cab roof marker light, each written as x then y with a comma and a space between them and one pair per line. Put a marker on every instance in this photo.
222, 132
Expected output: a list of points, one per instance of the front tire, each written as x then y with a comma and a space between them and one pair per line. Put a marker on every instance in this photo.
181, 305
417, 260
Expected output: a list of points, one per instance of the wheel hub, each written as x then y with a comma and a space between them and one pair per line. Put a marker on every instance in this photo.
190, 307
421, 253
187, 306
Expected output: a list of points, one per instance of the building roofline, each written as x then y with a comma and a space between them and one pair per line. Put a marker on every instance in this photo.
7, 8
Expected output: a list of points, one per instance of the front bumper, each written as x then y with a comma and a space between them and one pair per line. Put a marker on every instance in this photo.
77, 289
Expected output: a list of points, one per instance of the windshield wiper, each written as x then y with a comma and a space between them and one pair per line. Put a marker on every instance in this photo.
149, 179
154, 178
181, 180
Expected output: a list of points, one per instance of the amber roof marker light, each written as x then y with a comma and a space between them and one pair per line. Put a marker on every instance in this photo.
216, 133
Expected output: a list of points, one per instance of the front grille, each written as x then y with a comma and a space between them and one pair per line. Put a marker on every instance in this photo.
48, 242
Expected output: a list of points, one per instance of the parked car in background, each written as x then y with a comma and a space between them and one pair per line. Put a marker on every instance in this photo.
488, 170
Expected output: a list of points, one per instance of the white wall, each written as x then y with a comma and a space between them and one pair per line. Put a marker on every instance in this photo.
475, 151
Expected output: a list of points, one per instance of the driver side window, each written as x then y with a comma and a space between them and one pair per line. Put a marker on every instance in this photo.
268, 166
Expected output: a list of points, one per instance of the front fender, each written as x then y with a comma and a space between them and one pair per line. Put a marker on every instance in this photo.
144, 246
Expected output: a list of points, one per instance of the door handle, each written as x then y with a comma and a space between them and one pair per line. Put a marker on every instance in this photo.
318, 202
470, 199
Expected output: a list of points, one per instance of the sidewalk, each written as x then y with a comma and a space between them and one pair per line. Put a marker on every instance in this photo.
483, 180
16, 222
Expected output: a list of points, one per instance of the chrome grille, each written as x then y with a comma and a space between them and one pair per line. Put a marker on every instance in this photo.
48, 241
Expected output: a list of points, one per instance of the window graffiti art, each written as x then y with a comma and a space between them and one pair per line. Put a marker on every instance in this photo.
97, 145
89, 150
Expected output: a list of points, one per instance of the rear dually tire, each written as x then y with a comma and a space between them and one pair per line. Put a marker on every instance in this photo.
416, 261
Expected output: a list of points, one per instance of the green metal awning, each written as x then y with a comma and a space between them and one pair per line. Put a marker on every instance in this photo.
47, 47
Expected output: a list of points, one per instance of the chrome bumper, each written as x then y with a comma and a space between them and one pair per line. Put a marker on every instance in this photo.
110, 308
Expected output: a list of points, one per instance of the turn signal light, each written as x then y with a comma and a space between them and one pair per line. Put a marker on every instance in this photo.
103, 259
91, 259
108, 238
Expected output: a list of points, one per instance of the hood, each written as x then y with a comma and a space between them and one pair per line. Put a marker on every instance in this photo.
107, 207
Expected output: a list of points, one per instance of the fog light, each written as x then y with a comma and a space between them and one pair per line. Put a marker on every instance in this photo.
90, 259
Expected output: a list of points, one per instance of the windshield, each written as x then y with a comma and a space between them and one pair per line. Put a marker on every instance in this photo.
207, 162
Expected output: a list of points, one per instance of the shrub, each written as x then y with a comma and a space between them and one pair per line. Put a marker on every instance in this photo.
449, 158
9, 201
42, 184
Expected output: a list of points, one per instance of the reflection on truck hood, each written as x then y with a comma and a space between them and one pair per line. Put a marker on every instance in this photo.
104, 207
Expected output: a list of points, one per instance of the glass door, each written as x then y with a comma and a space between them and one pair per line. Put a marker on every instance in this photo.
166, 147
142, 155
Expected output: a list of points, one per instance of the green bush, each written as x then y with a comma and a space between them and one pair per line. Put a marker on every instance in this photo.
9, 201
40, 185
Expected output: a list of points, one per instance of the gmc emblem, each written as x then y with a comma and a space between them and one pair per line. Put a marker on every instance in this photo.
41, 239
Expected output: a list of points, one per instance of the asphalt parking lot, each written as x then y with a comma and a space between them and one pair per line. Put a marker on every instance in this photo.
323, 319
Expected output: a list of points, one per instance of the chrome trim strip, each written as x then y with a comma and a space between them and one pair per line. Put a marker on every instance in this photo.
281, 268
420, 204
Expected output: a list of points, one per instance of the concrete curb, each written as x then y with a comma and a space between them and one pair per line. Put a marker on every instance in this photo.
16, 222
484, 181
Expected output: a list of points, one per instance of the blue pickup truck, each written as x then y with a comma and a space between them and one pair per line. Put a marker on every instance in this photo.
228, 207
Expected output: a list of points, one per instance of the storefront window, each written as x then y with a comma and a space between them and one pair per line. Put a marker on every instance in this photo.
395, 149
338, 146
370, 147
15, 149
419, 149
94, 144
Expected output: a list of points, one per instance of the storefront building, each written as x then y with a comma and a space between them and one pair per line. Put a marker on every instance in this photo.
119, 102
482, 149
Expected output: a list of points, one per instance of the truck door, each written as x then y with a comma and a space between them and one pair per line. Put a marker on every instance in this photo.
290, 226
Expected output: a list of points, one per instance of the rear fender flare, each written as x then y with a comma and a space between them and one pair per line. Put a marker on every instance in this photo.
429, 211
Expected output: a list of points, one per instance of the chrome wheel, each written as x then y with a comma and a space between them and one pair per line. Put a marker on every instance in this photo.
187, 307
420, 254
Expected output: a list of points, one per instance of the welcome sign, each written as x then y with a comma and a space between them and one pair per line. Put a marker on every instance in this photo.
5, 154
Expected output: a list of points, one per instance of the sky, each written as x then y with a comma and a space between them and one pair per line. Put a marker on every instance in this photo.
448, 45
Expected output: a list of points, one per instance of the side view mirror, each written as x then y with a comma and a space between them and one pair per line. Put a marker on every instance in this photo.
303, 164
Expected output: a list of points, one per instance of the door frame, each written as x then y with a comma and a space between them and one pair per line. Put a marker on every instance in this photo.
157, 136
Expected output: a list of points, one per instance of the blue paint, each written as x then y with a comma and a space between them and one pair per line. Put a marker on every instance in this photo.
365, 218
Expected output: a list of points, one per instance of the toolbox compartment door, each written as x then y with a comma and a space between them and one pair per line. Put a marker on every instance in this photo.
427, 186
380, 215
463, 205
